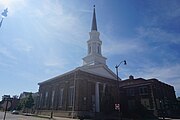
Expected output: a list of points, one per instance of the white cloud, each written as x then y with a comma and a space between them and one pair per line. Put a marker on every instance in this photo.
172, 11
164, 9
22, 45
158, 35
46, 10
85, 11
119, 47
55, 62
175, 12
5, 52
52, 20
168, 73
53, 16
53, 58
2, 64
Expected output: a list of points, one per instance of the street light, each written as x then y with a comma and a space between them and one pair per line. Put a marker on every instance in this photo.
117, 66
3, 15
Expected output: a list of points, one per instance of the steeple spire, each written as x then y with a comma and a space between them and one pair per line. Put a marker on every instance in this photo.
94, 25
94, 56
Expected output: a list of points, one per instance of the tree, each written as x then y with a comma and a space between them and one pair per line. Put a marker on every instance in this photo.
21, 104
29, 102
26, 103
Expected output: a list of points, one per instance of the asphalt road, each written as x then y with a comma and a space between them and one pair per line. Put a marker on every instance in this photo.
10, 116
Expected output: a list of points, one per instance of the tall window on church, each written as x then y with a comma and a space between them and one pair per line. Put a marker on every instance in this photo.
46, 99
52, 99
40, 100
61, 97
70, 95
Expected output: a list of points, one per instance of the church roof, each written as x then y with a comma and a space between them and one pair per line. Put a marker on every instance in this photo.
100, 70
56, 77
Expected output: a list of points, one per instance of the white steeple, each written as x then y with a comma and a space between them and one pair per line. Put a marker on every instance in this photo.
94, 56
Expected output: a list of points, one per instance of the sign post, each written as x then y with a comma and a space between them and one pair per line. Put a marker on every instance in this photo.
117, 107
6, 105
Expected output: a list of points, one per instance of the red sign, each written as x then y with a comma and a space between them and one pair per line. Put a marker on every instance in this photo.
117, 106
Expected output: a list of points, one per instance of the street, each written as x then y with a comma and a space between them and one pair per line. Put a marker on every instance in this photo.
10, 116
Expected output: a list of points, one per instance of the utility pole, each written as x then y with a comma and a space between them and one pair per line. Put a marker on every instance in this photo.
6, 107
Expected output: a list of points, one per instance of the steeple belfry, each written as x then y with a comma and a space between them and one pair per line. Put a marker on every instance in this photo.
94, 55
94, 24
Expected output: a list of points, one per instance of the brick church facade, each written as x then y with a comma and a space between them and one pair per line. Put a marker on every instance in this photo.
76, 94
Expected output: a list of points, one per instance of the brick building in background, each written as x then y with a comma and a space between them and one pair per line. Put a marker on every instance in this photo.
150, 95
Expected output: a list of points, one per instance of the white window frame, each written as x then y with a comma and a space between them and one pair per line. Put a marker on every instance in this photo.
70, 95
52, 99
46, 98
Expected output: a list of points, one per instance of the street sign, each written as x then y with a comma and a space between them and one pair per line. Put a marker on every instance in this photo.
117, 106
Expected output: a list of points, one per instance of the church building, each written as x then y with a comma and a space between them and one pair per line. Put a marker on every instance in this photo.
88, 90
92, 90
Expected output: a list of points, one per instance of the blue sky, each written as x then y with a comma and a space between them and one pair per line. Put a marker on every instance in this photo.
42, 39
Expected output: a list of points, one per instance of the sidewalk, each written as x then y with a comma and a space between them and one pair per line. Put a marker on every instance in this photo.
48, 117
62, 118
54, 118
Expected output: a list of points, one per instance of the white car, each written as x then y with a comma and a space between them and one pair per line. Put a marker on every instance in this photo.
15, 112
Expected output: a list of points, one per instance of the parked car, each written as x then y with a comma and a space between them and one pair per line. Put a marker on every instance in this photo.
15, 112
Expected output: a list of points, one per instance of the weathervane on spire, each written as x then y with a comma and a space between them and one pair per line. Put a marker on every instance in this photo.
3, 15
